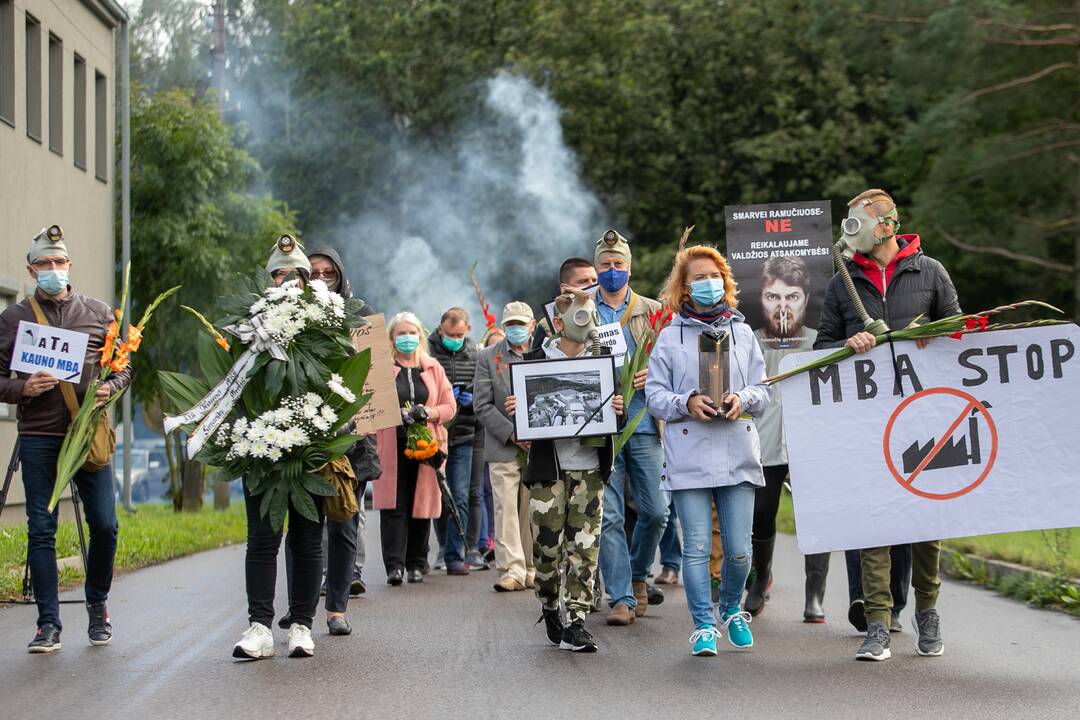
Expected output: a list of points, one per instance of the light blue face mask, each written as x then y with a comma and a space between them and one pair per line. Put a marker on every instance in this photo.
52, 282
517, 334
707, 292
407, 344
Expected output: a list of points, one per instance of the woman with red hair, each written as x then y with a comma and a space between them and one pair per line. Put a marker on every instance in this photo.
712, 454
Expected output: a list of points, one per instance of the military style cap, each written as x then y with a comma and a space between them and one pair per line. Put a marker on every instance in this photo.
519, 311
614, 243
47, 243
288, 254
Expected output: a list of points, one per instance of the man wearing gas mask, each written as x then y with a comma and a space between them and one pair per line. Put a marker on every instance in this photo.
895, 283
625, 566
44, 416
566, 488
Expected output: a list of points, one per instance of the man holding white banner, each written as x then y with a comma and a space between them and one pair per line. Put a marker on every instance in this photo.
895, 282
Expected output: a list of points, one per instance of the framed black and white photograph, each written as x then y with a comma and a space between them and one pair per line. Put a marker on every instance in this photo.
564, 397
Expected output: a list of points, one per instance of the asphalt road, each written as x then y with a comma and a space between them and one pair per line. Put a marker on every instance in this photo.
453, 647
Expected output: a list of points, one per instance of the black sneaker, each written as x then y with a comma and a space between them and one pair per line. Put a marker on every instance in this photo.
285, 622
876, 645
553, 625
856, 615
100, 631
415, 576
576, 638
338, 625
357, 586
656, 595
928, 629
393, 578
46, 640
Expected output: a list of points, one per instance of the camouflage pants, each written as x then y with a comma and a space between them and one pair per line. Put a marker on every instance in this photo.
566, 535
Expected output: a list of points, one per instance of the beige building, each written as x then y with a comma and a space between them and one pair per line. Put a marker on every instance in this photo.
57, 152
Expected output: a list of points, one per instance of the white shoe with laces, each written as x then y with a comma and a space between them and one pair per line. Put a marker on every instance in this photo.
256, 642
300, 642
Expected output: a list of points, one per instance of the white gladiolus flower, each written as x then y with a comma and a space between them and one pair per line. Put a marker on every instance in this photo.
328, 413
337, 386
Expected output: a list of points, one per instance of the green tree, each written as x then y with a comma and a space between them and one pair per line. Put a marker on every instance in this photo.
193, 223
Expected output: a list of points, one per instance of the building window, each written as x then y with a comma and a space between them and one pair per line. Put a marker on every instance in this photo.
7, 62
33, 78
101, 128
80, 113
56, 95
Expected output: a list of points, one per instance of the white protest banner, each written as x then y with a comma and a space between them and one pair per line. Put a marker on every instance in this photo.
983, 440
57, 351
381, 411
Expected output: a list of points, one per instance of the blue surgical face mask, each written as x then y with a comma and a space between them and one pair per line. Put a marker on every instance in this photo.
52, 282
707, 292
613, 279
407, 344
453, 344
517, 334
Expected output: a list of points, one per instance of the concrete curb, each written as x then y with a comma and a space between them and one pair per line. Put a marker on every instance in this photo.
994, 570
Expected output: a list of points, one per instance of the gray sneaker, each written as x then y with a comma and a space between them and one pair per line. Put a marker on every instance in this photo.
895, 625
876, 645
928, 629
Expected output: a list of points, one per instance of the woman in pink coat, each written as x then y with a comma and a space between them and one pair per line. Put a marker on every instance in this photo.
407, 493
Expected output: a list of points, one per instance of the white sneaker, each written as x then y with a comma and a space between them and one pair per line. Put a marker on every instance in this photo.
300, 642
256, 642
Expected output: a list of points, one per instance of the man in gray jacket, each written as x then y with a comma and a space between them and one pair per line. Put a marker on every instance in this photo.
43, 421
491, 386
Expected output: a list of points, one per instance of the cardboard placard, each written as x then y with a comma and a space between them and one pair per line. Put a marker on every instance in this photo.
57, 351
382, 410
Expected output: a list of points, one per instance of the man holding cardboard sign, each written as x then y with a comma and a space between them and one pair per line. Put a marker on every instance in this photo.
47, 398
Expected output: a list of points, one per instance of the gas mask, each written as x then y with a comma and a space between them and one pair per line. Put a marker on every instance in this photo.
857, 231
577, 312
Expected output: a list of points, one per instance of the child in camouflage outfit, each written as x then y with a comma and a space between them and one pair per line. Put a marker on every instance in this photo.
566, 488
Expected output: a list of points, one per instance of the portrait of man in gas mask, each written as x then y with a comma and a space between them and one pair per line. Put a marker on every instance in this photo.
785, 297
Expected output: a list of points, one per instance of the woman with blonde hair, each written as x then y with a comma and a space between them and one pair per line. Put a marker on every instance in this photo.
711, 449
407, 493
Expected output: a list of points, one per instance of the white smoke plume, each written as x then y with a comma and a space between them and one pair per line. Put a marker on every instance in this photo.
507, 194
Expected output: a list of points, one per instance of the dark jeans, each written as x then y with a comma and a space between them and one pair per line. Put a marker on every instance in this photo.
476, 500
404, 538
459, 477
899, 575
338, 558
260, 563
487, 525
38, 455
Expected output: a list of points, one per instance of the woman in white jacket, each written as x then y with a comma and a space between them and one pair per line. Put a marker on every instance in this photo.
710, 455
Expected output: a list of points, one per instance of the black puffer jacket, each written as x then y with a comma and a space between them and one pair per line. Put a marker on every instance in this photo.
912, 285
364, 455
460, 369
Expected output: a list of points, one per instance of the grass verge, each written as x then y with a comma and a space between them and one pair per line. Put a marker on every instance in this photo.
1053, 551
152, 535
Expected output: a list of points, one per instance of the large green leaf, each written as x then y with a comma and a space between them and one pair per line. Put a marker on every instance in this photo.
214, 362
318, 485
340, 445
279, 506
354, 371
302, 501
182, 391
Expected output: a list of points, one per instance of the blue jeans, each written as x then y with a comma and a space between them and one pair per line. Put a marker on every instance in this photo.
38, 455
735, 505
670, 547
458, 476
622, 563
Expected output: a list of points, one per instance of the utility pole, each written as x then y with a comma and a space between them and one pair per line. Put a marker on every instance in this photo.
217, 56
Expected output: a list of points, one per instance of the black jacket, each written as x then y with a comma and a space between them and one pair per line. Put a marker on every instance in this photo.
364, 455
543, 466
916, 285
460, 370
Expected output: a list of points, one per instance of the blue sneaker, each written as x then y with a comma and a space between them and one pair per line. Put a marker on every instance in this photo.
704, 640
737, 624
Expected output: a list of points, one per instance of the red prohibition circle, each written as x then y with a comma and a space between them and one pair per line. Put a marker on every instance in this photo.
973, 404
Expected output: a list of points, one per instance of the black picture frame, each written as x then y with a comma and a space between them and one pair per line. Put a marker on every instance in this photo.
563, 398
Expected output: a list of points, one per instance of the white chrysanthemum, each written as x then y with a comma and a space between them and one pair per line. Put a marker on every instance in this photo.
274, 454
310, 411
322, 294
328, 413
274, 294
313, 399
295, 437
337, 386
321, 423
283, 416
293, 292
339, 312
259, 449
258, 306
314, 313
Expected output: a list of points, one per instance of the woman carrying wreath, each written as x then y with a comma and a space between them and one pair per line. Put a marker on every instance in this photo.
407, 493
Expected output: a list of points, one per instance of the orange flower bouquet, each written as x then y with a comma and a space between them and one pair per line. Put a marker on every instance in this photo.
420, 443
116, 355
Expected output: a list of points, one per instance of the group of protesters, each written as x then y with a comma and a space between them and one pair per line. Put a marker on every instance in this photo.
699, 479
